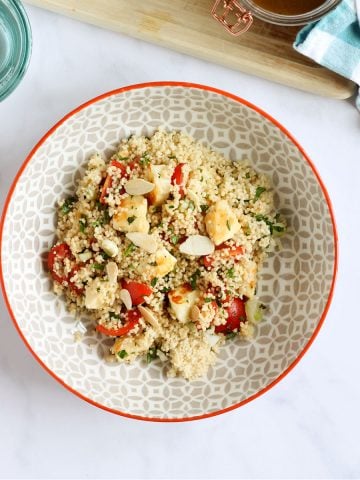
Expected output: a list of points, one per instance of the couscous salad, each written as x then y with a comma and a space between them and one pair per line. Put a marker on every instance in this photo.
162, 246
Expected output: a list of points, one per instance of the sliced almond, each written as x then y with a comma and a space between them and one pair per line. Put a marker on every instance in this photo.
138, 186
195, 313
149, 317
197, 245
143, 240
112, 271
126, 298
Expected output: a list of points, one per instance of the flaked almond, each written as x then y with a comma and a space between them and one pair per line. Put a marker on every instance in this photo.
195, 313
126, 298
112, 271
143, 240
197, 245
149, 317
138, 186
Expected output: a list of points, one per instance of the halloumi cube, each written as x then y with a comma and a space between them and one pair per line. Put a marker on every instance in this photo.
160, 176
99, 294
182, 299
165, 262
221, 222
131, 215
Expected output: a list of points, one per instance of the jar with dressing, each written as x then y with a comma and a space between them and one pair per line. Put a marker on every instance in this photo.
237, 15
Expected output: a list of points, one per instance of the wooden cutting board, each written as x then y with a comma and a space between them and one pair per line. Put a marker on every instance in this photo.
187, 26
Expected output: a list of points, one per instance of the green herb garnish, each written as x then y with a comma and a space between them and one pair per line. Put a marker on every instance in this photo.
228, 224
151, 355
194, 278
174, 239
204, 208
68, 205
122, 354
131, 219
172, 157
145, 159
208, 300
129, 249
82, 224
230, 273
113, 315
230, 335
259, 191
98, 266
153, 281
104, 255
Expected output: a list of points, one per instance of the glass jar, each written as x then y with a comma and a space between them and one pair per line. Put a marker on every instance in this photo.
237, 15
15, 45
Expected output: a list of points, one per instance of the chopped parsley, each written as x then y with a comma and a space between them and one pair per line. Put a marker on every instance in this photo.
174, 239
165, 290
194, 278
191, 205
228, 224
273, 226
105, 218
151, 355
247, 175
208, 299
230, 335
230, 273
129, 249
104, 255
98, 266
204, 208
114, 316
259, 191
145, 159
172, 157
153, 281
131, 219
68, 205
119, 157
122, 354
82, 224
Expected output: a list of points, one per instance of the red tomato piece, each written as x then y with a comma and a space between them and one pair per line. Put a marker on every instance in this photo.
177, 178
105, 187
236, 316
137, 291
208, 260
58, 254
108, 180
132, 319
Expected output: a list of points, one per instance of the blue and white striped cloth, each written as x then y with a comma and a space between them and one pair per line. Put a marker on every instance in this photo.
334, 41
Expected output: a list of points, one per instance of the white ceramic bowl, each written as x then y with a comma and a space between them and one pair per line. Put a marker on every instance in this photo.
296, 283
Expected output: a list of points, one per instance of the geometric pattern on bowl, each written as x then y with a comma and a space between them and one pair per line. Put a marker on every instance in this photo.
296, 283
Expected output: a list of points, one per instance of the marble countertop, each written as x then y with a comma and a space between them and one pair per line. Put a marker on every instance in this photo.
308, 425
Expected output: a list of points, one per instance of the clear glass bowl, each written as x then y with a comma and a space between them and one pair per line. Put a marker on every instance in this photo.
15, 45
289, 20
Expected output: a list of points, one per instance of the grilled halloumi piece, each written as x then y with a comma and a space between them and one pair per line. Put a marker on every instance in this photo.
182, 299
165, 262
131, 215
221, 222
99, 294
160, 176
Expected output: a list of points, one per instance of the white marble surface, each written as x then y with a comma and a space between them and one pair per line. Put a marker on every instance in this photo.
308, 425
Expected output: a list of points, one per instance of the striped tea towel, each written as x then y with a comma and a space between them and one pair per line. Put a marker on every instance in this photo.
334, 41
